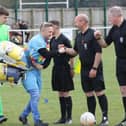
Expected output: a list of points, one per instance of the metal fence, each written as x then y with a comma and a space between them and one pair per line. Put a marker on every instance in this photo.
39, 3
70, 33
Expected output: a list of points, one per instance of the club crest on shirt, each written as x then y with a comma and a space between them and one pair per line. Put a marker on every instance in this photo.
121, 39
84, 44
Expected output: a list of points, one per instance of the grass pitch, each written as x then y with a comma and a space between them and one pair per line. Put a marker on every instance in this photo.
15, 98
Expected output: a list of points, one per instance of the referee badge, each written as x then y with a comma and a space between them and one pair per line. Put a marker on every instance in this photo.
85, 46
121, 39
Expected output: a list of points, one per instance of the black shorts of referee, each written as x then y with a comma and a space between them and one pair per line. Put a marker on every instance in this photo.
121, 71
61, 78
92, 84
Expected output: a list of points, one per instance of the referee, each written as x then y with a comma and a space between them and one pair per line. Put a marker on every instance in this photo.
91, 66
62, 74
117, 35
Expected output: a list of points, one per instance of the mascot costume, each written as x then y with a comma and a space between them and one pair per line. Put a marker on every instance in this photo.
13, 62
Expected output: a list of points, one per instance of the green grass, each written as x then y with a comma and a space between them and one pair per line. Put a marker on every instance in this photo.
15, 98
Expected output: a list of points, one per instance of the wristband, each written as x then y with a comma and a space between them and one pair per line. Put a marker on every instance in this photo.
94, 68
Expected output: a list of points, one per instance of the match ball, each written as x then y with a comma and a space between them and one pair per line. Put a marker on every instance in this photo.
87, 119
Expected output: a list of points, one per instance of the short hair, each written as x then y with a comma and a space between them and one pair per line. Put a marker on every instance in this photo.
45, 25
3, 11
83, 17
55, 22
86, 18
116, 11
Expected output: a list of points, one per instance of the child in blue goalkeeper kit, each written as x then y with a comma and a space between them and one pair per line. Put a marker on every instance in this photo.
33, 82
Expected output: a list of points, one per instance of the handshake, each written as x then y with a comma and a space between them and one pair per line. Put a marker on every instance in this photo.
61, 48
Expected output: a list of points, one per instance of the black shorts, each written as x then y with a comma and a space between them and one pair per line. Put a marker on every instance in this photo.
61, 79
92, 84
121, 71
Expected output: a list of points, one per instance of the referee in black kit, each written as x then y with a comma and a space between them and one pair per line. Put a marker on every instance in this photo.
91, 66
117, 35
62, 74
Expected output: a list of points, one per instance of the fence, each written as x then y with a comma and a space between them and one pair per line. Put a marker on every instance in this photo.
21, 3
68, 32
46, 7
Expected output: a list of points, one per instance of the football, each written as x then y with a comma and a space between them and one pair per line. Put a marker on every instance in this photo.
87, 119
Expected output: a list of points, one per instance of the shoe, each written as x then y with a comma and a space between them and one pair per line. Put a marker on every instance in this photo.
104, 122
40, 123
68, 121
60, 121
23, 120
122, 123
3, 119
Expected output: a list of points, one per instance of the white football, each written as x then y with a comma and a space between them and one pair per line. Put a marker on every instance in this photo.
87, 119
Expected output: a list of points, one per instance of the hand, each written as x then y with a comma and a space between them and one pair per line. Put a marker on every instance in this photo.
92, 73
37, 66
60, 46
72, 72
97, 34
61, 50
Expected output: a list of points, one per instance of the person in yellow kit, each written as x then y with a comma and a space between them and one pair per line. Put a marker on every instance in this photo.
4, 35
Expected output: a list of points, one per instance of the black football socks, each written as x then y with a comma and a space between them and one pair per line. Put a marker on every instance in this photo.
103, 105
124, 105
91, 103
62, 107
69, 107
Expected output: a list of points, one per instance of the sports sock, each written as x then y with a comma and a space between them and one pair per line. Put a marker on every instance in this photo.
69, 107
1, 107
124, 105
62, 107
91, 103
103, 105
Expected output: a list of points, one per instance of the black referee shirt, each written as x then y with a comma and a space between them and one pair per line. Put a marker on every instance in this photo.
118, 36
87, 46
60, 59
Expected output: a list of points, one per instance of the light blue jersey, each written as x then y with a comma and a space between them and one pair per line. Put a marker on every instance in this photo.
33, 77
34, 45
